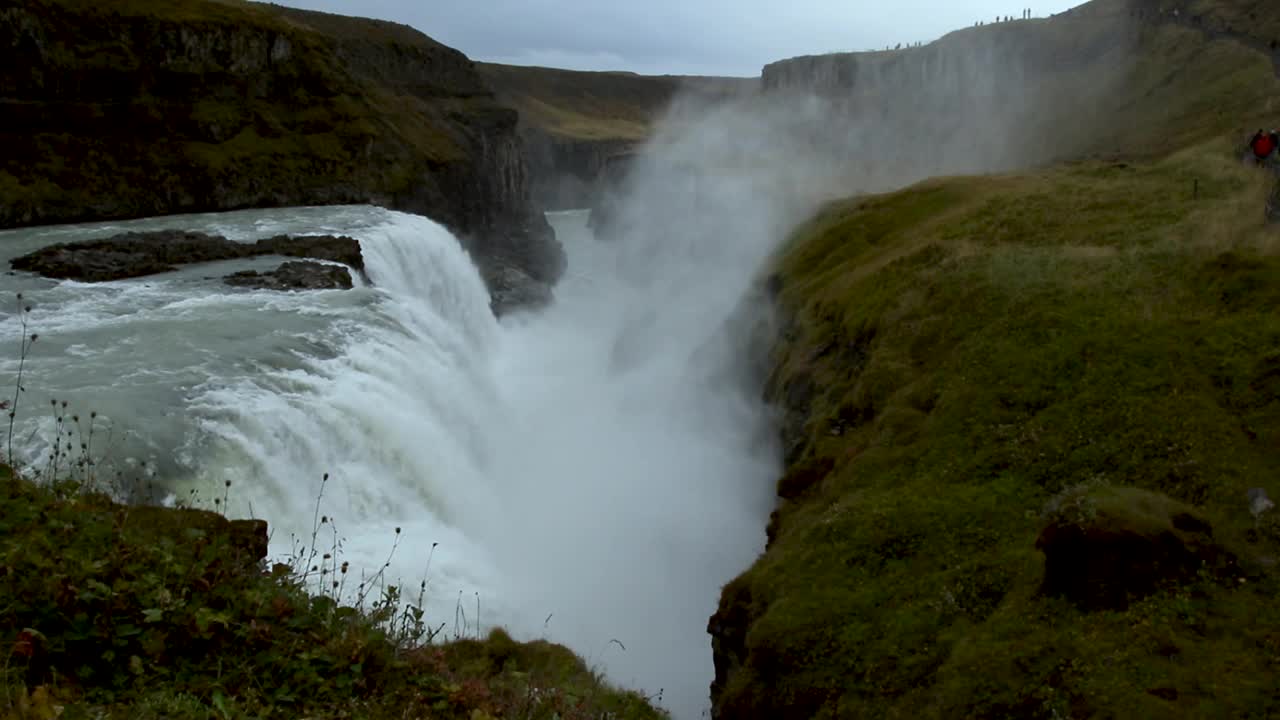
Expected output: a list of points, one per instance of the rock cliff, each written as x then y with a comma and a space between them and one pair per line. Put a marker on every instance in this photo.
579, 127
142, 108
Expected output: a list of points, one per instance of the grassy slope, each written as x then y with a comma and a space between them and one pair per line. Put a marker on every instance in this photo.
970, 347
157, 613
582, 105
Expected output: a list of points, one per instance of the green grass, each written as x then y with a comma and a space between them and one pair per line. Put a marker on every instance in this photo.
961, 352
598, 105
110, 611
583, 105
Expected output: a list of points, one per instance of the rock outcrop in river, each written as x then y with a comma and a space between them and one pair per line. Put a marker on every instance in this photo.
296, 275
138, 254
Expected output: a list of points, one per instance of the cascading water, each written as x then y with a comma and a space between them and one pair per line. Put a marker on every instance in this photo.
571, 474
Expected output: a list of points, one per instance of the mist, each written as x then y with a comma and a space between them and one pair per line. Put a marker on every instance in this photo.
646, 454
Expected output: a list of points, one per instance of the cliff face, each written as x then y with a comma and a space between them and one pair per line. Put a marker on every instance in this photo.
578, 127
567, 172
144, 108
978, 100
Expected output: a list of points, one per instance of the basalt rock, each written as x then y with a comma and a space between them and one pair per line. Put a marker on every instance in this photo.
513, 289
138, 254
294, 276
1107, 548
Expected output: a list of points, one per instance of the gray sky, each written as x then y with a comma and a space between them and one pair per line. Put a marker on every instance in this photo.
695, 37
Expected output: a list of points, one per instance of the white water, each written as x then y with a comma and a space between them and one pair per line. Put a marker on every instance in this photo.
578, 464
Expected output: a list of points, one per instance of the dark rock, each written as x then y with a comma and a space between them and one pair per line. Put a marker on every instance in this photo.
345, 250
728, 629
1107, 547
297, 275
513, 289
128, 255
803, 476
137, 254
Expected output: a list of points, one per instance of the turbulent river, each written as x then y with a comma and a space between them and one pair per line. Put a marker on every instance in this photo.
583, 473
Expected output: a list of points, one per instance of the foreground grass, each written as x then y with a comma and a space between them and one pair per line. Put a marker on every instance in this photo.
109, 611
958, 354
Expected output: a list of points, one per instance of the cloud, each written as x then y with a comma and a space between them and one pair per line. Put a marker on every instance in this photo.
723, 37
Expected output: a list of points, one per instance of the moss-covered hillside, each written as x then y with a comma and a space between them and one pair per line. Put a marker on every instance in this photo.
971, 360
1032, 420
137, 612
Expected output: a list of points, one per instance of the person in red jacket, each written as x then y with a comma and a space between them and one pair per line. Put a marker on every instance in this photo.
1263, 145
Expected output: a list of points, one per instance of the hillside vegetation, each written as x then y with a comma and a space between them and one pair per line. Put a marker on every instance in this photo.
1027, 420
582, 105
145, 613
959, 354
579, 105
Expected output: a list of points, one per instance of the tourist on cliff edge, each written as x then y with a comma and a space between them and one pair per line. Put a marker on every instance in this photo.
1264, 145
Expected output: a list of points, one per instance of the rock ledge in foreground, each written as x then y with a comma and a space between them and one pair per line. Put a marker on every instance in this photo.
138, 254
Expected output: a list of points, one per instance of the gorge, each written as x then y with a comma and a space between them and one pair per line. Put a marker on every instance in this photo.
839, 353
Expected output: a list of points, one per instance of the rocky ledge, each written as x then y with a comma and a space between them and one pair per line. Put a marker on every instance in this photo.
138, 254
297, 275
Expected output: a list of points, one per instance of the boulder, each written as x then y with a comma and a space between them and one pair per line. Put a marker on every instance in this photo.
297, 275
510, 289
1108, 546
127, 255
137, 254
345, 250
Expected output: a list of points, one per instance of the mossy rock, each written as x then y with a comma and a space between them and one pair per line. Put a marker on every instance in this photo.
1106, 547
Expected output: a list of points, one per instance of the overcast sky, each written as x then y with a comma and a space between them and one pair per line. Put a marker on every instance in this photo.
695, 37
